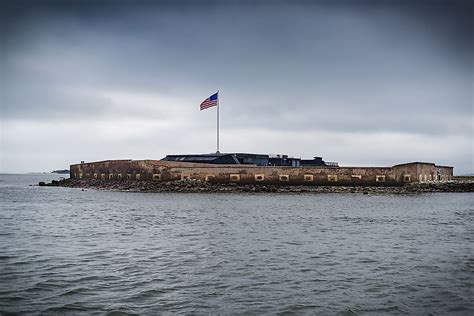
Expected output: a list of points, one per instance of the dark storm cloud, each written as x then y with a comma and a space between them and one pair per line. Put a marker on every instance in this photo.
355, 50
329, 66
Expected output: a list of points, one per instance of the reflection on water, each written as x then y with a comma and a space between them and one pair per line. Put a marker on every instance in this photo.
66, 250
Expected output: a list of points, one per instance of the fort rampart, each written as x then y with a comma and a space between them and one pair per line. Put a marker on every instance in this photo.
158, 170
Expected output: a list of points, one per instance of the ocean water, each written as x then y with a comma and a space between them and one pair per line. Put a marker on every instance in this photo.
69, 251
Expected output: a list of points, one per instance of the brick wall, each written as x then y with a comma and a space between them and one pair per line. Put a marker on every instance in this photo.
158, 170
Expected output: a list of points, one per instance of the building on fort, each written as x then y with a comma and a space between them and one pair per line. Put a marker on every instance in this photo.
258, 168
250, 159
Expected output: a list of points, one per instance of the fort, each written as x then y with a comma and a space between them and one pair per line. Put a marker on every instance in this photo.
259, 169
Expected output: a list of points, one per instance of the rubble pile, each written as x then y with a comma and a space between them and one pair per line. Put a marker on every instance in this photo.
192, 185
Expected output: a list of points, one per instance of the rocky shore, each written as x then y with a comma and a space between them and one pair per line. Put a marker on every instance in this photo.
190, 186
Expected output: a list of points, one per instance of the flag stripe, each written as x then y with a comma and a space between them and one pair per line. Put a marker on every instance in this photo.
206, 107
209, 103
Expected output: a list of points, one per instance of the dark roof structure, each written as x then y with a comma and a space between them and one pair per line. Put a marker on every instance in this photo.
248, 159
221, 158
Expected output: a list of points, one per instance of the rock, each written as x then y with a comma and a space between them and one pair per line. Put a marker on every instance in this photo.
201, 186
41, 184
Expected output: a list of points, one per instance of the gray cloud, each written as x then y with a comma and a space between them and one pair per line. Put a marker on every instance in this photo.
311, 67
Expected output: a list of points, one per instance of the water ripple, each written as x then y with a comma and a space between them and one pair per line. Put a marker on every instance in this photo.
67, 251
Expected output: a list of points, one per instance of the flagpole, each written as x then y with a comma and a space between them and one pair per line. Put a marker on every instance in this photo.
218, 106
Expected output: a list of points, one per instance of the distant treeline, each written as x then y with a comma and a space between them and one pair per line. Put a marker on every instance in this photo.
62, 171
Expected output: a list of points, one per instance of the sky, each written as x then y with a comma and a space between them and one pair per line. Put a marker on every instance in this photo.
362, 83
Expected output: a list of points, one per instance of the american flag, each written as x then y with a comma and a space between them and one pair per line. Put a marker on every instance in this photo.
209, 102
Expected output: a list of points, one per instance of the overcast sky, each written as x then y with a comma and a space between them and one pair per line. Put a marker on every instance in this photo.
360, 83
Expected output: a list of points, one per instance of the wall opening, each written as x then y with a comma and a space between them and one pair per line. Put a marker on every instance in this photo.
129, 176
185, 176
95, 175
308, 177
356, 176
210, 176
380, 178
284, 178
119, 176
80, 175
156, 176
111, 176
137, 176
259, 177
406, 178
235, 177
332, 177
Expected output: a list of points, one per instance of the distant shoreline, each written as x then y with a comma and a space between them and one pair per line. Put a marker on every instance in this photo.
196, 186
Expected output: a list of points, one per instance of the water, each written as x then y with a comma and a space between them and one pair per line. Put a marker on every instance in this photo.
65, 250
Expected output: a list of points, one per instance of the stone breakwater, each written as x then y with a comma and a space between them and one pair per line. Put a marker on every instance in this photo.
190, 186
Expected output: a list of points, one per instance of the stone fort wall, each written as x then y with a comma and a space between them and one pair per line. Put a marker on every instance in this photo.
158, 170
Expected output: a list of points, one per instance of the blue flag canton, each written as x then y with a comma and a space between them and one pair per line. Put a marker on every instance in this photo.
214, 96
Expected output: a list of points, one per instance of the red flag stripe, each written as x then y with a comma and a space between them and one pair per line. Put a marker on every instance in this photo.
207, 104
